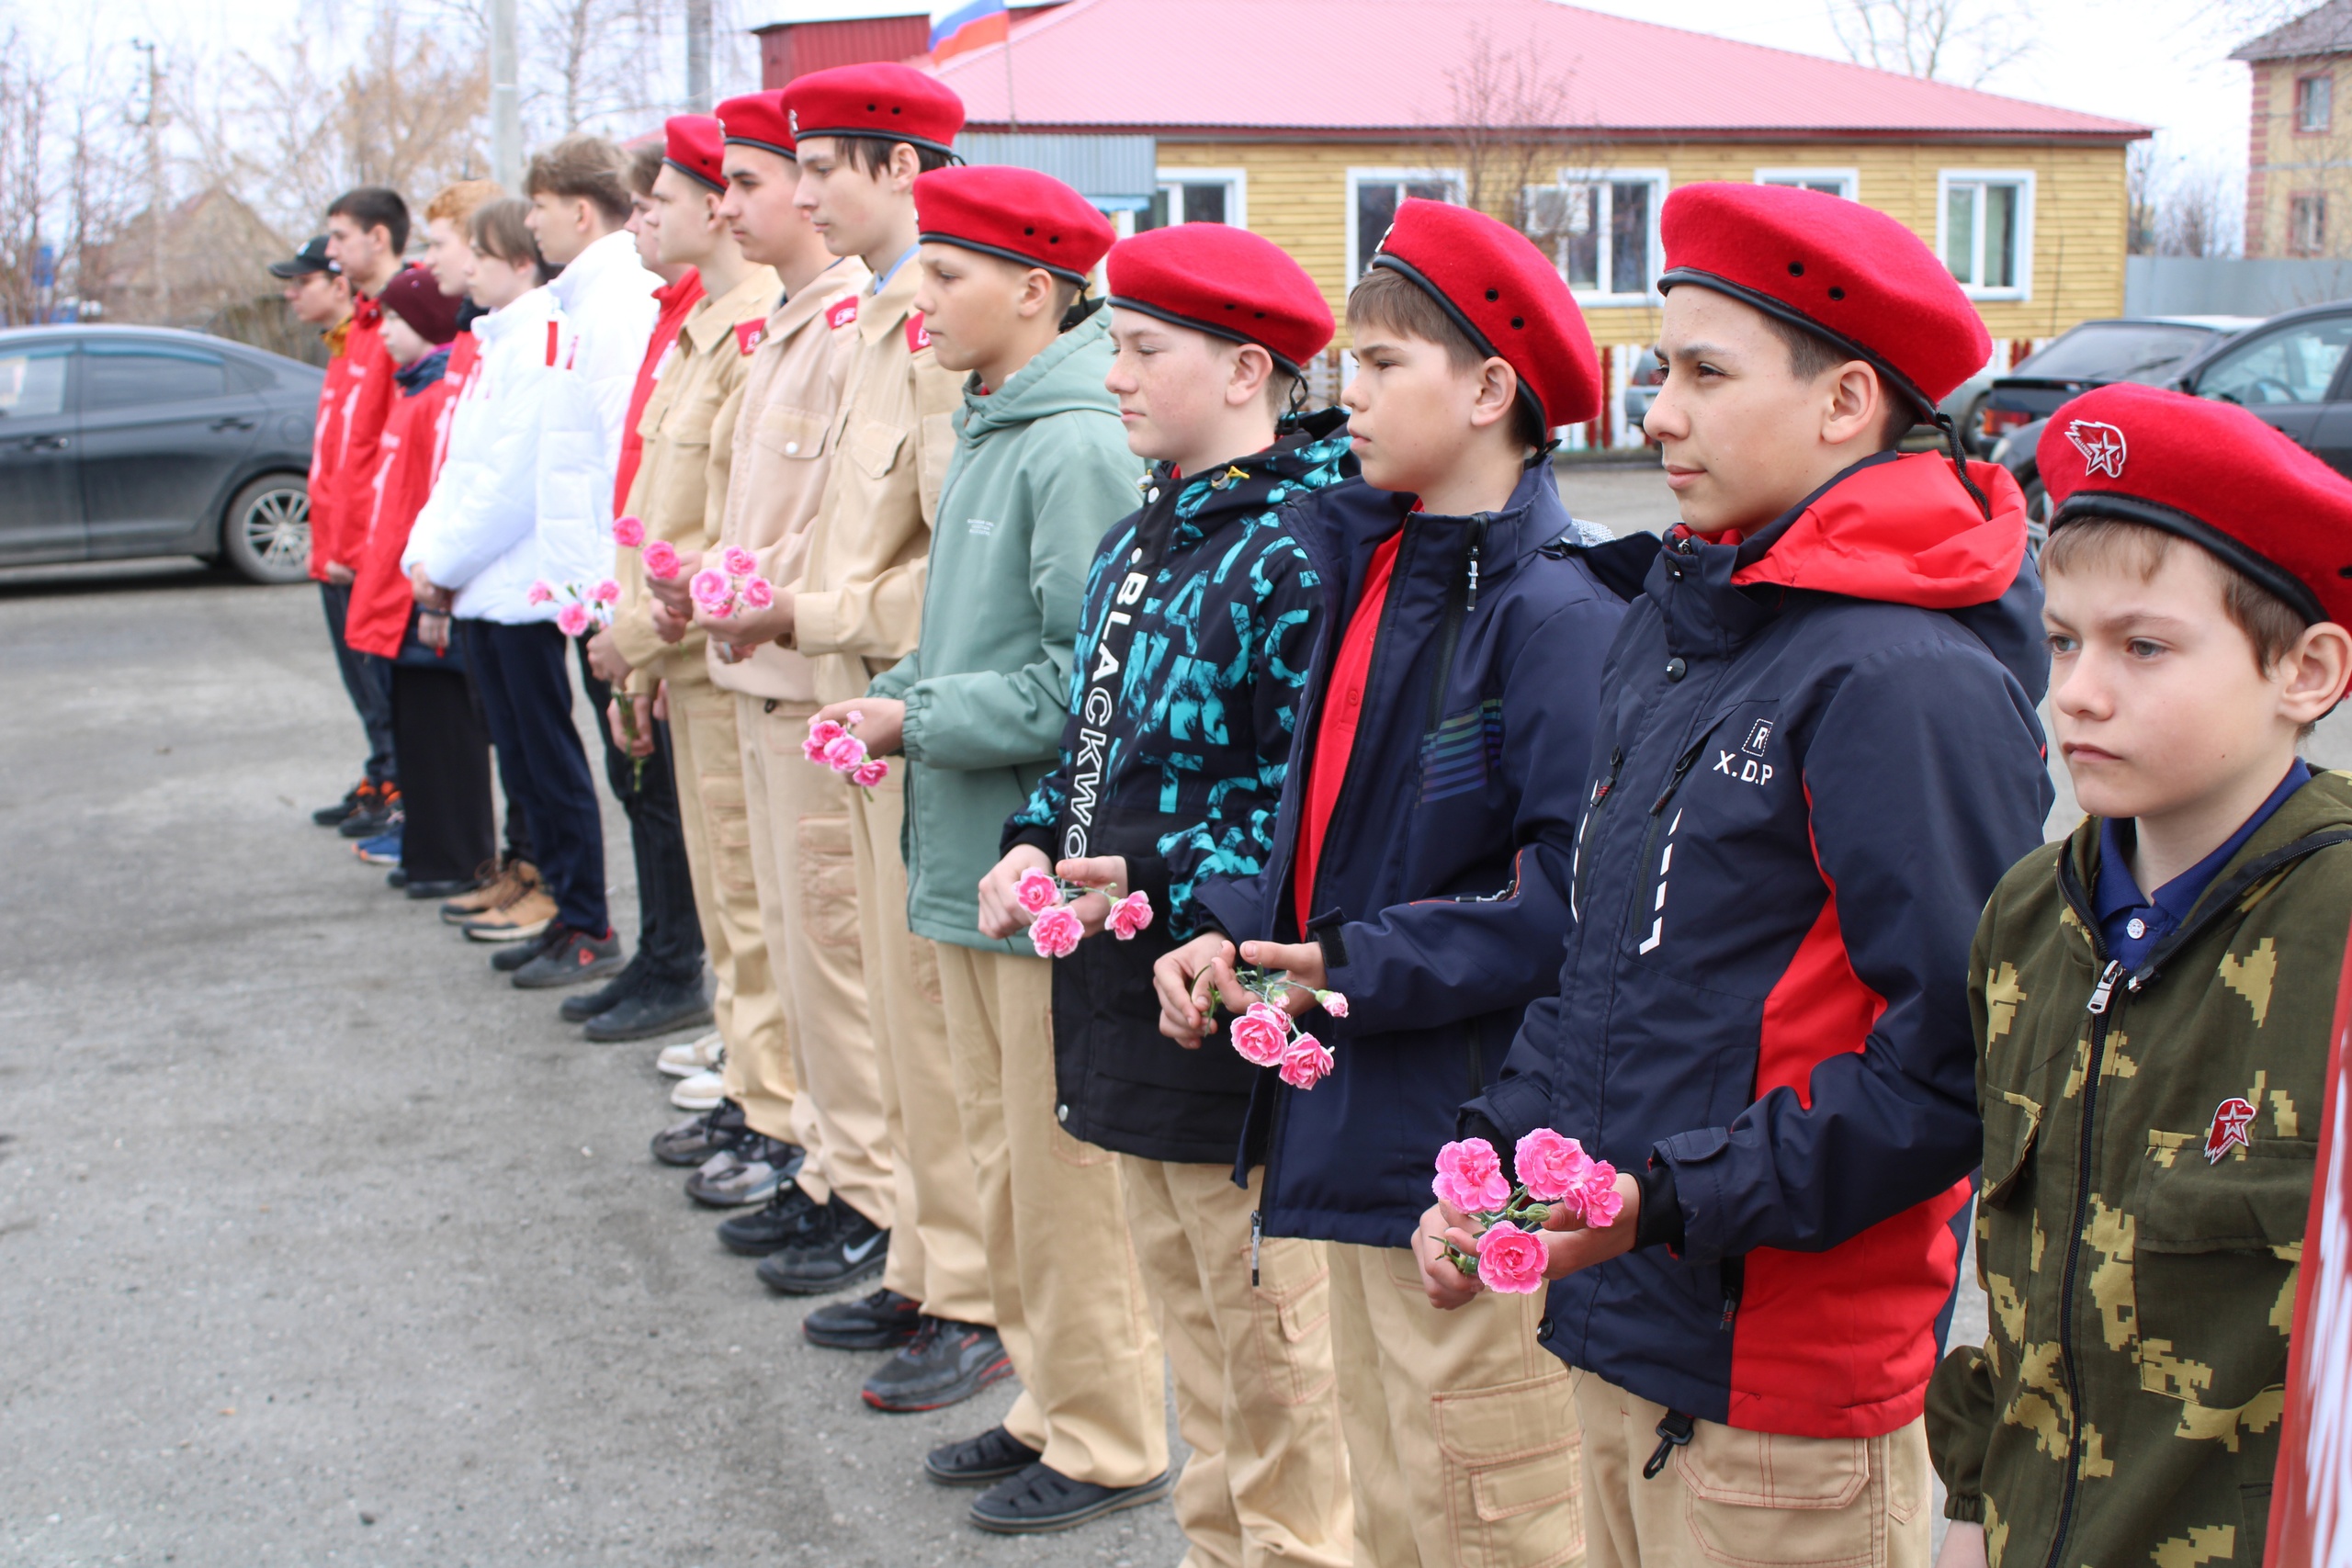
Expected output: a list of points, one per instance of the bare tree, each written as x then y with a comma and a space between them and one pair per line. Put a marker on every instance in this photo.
1961, 41
2139, 198
2199, 215
67, 168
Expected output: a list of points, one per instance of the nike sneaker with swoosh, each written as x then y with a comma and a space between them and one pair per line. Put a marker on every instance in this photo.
839, 1248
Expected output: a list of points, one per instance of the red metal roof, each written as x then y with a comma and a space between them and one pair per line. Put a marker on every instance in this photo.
1374, 68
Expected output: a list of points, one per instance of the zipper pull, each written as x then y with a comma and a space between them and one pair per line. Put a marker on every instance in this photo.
2106, 987
1257, 1229
1477, 541
1616, 761
1672, 1433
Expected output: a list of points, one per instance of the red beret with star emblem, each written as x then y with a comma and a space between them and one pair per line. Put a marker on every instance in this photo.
1018, 214
1224, 281
889, 102
2209, 472
1507, 297
695, 145
758, 119
1848, 272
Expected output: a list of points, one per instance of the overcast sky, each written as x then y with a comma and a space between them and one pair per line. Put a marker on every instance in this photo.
2161, 62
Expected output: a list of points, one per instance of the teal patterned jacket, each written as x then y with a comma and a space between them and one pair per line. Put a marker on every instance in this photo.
1208, 697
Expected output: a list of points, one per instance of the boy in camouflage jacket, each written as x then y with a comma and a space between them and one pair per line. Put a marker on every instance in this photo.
2152, 1066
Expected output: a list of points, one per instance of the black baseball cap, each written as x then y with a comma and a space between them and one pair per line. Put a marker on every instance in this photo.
311, 257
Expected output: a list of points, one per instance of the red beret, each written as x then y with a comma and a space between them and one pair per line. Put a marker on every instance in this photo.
896, 103
2208, 472
1507, 297
758, 119
1018, 214
695, 145
1226, 282
1846, 271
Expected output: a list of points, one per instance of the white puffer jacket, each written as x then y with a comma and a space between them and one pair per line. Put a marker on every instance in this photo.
478, 532
608, 310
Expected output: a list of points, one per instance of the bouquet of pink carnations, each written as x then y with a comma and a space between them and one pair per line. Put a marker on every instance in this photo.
1056, 930
734, 584
580, 612
833, 746
1553, 1173
1267, 1035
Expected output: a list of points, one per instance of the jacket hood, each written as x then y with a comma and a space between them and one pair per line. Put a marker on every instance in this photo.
1065, 378
1899, 530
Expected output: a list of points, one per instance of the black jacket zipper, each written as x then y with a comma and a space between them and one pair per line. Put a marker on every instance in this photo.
1601, 794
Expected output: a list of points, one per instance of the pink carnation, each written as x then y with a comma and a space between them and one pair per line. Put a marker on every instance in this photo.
571, 620
822, 732
1035, 891
540, 594
627, 533
607, 593
1306, 1062
1550, 1166
1600, 1199
1056, 933
710, 592
661, 560
739, 561
1511, 1261
872, 774
1470, 1177
1261, 1034
1130, 915
759, 593
1334, 1002
844, 753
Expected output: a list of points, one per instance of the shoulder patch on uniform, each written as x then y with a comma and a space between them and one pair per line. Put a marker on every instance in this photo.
842, 311
748, 333
917, 338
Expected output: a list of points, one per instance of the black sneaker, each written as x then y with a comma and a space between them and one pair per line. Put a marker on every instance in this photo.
611, 994
748, 1172
508, 960
977, 1461
334, 816
767, 1228
883, 1321
373, 815
570, 959
697, 1138
440, 887
657, 1006
945, 1363
397, 878
840, 1247
1041, 1499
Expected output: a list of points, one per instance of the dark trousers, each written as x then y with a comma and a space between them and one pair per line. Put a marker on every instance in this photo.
526, 695
669, 939
445, 777
368, 681
518, 825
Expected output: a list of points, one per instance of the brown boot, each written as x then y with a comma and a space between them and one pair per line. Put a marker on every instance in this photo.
525, 916
501, 882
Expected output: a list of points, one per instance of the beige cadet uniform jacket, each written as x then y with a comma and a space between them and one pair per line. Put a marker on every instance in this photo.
858, 602
772, 451
671, 493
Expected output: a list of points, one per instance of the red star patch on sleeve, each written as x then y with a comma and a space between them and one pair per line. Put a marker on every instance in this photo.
917, 339
2231, 1120
842, 311
748, 333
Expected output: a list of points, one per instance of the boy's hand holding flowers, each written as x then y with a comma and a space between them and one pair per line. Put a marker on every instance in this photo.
881, 722
1055, 927
1569, 1212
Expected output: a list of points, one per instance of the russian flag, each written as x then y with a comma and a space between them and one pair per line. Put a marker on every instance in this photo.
959, 25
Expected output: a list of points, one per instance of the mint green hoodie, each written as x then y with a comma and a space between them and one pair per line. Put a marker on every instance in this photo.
1041, 472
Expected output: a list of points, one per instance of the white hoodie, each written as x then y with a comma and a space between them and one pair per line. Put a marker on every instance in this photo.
608, 310
477, 533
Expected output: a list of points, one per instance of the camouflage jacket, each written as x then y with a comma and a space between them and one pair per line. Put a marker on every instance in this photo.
2150, 1139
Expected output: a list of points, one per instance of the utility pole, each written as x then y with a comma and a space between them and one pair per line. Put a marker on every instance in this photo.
505, 99
699, 56
153, 122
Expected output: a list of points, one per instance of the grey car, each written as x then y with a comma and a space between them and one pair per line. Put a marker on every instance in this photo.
122, 442
2291, 371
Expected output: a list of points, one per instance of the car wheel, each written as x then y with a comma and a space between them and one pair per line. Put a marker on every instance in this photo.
267, 533
2037, 515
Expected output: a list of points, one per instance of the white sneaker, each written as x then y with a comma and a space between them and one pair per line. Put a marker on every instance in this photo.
694, 1057
700, 1092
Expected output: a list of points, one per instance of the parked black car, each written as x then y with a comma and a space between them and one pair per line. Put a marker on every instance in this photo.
121, 442
2291, 371
2148, 349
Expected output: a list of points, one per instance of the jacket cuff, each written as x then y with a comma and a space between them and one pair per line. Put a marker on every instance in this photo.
1471, 1122
1511, 1107
1017, 833
816, 621
1661, 1219
1965, 1510
1693, 1169
918, 703
634, 636
1148, 875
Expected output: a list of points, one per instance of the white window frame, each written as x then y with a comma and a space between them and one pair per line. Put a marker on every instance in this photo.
1660, 183
1358, 178
1850, 181
2296, 103
2024, 180
1235, 181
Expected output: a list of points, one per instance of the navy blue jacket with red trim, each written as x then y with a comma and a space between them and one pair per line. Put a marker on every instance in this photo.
1817, 754
1441, 892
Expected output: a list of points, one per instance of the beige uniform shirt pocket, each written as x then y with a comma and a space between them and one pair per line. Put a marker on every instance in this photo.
873, 447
